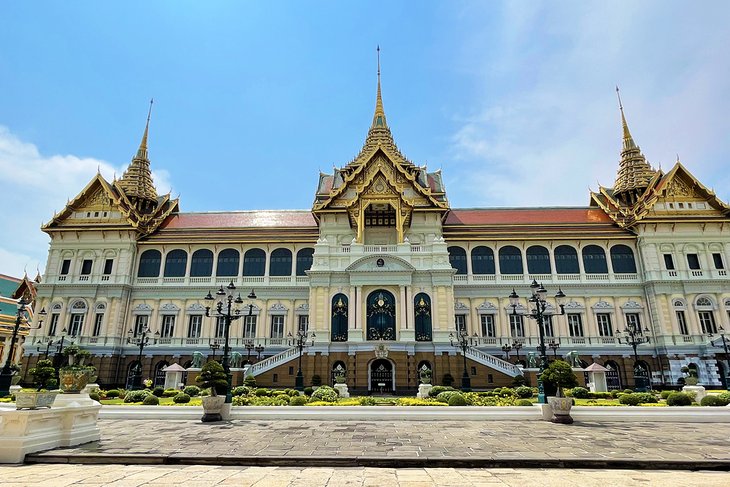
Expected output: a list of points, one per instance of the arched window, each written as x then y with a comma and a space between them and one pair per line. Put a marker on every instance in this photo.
280, 263
304, 261
482, 260
176, 263
201, 264
457, 259
594, 260
254, 262
510, 260
613, 376
227, 263
338, 367
339, 318
538, 260
149, 263
159, 380
381, 315
622, 260
422, 311
566, 260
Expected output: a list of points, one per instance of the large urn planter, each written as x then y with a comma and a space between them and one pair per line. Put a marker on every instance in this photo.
74, 379
561, 409
34, 400
212, 407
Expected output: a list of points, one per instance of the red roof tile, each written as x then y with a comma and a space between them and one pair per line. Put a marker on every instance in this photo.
241, 219
505, 216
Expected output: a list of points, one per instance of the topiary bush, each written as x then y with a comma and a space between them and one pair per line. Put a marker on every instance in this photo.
448, 379
240, 391
95, 396
629, 399
158, 391
192, 391
579, 393
559, 374
241, 400
170, 393
151, 400
214, 377
446, 395
524, 402
297, 401
518, 381
725, 396
524, 392
368, 401
646, 397
665, 394
137, 396
456, 399
112, 393
292, 392
316, 380
308, 391
712, 400
261, 392
326, 394
436, 390
181, 398
628, 391
249, 381
615, 393
679, 399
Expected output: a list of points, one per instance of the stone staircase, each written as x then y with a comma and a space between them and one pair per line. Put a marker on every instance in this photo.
271, 362
493, 362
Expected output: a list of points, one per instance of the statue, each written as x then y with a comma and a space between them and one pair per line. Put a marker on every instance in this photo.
532, 362
574, 359
197, 360
236, 360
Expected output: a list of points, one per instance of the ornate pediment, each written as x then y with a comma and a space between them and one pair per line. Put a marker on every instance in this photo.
380, 263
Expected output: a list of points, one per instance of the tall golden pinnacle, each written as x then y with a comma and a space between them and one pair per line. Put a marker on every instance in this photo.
136, 182
142, 151
379, 117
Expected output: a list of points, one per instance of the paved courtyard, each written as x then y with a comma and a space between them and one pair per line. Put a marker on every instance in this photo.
405, 443
204, 476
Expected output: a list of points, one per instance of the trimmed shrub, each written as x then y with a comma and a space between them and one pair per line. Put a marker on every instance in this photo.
679, 399
628, 391
297, 401
446, 395
261, 392
112, 393
524, 402
665, 394
240, 391
615, 393
505, 392
170, 393
457, 399
599, 395
158, 391
725, 396
368, 401
524, 392
579, 393
241, 401
308, 391
95, 396
519, 380
137, 396
712, 400
249, 381
448, 379
629, 399
646, 397
292, 392
181, 398
436, 390
204, 392
316, 380
192, 391
326, 394
151, 400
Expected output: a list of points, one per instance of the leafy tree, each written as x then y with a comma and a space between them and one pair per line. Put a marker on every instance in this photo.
214, 377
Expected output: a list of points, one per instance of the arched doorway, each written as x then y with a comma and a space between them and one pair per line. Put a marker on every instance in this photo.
382, 376
131, 370
613, 376
381, 315
642, 374
159, 379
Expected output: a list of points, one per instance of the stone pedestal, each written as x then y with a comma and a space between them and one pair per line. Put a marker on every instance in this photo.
226, 411
342, 389
697, 391
14, 389
423, 390
89, 388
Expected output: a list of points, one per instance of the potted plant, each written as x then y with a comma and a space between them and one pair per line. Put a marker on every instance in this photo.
560, 374
214, 377
44, 377
75, 375
425, 375
340, 374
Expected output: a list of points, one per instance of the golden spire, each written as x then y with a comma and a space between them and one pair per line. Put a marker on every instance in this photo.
137, 179
379, 117
628, 140
142, 151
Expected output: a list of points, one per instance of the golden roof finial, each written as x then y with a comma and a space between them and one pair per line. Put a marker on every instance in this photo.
137, 179
379, 117
142, 151
628, 140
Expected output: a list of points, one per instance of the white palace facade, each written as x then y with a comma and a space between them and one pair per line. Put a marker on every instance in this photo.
383, 270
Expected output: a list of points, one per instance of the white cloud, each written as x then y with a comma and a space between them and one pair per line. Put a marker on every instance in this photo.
549, 127
34, 187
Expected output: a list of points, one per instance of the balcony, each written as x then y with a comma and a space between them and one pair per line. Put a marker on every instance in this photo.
513, 279
299, 281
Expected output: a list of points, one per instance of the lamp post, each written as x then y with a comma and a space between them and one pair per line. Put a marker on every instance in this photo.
516, 346
259, 349
539, 305
507, 349
634, 336
141, 341
724, 345
300, 341
249, 346
225, 308
463, 341
554, 346
6, 376
213, 346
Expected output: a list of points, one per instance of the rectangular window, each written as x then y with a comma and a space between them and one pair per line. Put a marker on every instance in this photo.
303, 323
682, 323
575, 325
693, 261
717, 260
516, 326
86, 267
54, 323
65, 266
195, 326
487, 322
275, 378
669, 262
633, 322
604, 324
140, 324
108, 265
473, 371
707, 322
547, 326
249, 326
277, 326
460, 322
76, 325
168, 326
220, 327
291, 370
98, 320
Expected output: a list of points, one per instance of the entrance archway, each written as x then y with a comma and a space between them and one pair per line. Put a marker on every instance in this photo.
381, 315
613, 377
381, 375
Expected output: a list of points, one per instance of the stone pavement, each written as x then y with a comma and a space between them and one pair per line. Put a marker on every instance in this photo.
204, 476
464, 444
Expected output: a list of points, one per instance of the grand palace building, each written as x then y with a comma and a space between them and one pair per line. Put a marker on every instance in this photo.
385, 274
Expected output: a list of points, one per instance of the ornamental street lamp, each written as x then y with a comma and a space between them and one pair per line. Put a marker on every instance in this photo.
142, 340
634, 336
507, 349
225, 308
516, 346
554, 346
463, 341
300, 341
725, 343
214, 345
248, 345
259, 349
539, 304
6, 376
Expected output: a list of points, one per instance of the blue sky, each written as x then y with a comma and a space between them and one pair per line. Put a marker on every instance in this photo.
514, 101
